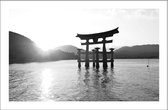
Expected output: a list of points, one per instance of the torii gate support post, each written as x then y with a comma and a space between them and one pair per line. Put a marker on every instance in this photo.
79, 58
93, 55
87, 54
104, 54
112, 57
95, 37
97, 57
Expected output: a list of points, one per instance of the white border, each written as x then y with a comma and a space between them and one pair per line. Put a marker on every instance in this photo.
161, 5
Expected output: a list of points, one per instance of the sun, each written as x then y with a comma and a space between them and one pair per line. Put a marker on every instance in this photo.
44, 45
45, 48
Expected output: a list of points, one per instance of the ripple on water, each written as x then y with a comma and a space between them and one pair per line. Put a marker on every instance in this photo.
62, 81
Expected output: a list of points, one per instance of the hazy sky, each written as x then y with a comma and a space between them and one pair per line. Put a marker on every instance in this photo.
57, 23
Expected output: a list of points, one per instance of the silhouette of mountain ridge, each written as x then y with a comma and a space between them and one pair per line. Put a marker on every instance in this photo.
138, 51
23, 50
67, 48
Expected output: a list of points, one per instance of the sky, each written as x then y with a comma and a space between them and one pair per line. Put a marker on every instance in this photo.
53, 24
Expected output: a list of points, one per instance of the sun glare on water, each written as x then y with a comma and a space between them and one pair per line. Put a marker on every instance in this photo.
46, 84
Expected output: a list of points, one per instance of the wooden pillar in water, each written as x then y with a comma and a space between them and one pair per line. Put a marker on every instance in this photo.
97, 57
79, 58
112, 57
93, 57
87, 54
95, 37
104, 54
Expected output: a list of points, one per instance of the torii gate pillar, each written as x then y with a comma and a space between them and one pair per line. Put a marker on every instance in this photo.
112, 57
95, 38
87, 54
104, 54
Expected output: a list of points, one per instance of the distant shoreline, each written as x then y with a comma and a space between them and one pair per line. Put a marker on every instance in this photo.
71, 59
23, 50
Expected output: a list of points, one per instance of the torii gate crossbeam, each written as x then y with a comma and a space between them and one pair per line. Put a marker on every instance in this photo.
95, 38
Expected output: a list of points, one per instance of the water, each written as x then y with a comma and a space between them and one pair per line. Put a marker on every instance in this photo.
130, 80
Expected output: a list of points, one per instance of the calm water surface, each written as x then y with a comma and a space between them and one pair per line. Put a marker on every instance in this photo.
129, 80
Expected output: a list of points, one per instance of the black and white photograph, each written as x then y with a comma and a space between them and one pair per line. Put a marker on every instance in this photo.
84, 51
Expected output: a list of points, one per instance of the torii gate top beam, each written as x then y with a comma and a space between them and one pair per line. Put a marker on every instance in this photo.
98, 35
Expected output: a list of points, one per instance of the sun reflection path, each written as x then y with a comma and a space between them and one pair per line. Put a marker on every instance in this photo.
46, 84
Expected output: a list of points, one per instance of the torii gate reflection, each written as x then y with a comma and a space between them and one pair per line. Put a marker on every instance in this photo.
95, 38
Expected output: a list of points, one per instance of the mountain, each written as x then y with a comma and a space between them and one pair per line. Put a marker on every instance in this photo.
67, 48
59, 55
139, 51
22, 50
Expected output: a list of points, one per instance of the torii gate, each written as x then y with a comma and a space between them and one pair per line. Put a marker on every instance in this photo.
95, 38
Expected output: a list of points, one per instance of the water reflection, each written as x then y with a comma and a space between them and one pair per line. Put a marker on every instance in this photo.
112, 77
86, 77
96, 76
105, 79
46, 83
97, 83
61, 81
99, 78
